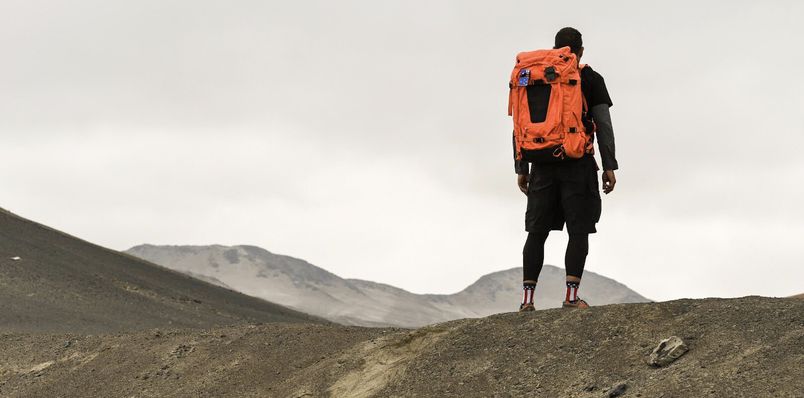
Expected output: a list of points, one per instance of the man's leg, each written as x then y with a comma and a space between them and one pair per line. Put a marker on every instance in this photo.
574, 261
532, 262
543, 213
581, 203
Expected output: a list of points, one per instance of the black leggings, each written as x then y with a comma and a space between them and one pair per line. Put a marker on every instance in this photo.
533, 255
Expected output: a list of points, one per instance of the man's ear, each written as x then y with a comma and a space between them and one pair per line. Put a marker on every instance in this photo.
580, 53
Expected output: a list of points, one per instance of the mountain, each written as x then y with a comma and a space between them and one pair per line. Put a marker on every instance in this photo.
305, 287
748, 347
53, 282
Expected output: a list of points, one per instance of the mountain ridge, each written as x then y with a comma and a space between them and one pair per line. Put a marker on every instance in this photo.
309, 288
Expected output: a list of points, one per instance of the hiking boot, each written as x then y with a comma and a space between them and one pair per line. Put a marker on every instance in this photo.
526, 308
580, 303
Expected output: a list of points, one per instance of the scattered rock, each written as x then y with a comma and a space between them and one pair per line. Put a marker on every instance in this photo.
618, 390
182, 350
667, 351
164, 371
15, 258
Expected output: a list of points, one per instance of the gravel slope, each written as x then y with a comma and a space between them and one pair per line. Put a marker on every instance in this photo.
748, 347
53, 282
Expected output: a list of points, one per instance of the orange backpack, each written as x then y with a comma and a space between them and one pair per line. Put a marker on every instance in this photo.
548, 107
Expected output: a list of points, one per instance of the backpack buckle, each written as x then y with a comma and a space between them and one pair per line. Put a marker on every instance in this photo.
550, 73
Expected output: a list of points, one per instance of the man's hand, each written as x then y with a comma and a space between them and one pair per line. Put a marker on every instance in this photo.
609, 180
522, 181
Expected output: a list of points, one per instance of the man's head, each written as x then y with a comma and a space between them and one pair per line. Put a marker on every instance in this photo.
570, 37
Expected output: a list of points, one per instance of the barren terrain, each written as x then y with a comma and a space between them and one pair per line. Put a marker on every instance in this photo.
749, 347
79, 320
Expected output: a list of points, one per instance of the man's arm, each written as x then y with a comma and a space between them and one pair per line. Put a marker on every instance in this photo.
521, 168
605, 141
605, 136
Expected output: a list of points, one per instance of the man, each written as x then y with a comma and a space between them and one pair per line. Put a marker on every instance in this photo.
567, 191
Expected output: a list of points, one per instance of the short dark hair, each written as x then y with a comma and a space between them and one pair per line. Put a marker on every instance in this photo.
569, 37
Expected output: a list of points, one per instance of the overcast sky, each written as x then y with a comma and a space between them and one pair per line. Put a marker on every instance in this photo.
371, 138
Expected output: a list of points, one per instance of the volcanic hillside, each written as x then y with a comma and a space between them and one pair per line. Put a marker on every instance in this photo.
53, 282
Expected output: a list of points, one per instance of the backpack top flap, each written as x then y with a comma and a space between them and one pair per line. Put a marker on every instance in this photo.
556, 65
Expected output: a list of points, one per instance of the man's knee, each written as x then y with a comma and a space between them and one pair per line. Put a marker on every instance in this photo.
579, 242
534, 243
538, 236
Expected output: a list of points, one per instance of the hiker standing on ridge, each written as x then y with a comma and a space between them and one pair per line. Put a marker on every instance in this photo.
558, 106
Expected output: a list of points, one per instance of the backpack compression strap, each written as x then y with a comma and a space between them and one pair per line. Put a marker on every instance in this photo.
510, 99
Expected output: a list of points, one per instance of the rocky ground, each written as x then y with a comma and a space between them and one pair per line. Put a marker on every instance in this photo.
79, 320
748, 347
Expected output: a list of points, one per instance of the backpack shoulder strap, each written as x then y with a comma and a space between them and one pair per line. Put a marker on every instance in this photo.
581, 67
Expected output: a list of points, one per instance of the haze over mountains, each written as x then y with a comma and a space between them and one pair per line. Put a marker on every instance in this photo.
305, 287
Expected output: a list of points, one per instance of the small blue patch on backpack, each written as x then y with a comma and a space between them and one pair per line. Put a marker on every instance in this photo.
524, 77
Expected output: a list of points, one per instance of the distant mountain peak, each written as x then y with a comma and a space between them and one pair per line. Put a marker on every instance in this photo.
303, 286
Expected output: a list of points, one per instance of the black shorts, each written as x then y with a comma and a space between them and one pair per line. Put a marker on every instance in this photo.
563, 192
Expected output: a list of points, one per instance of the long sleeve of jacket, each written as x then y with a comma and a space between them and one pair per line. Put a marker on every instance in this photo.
520, 166
605, 136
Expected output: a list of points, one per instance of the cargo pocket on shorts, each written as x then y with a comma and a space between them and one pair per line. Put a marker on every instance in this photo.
594, 184
538, 181
594, 199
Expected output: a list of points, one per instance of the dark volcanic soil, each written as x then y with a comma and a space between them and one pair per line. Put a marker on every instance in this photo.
749, 347
53, 282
